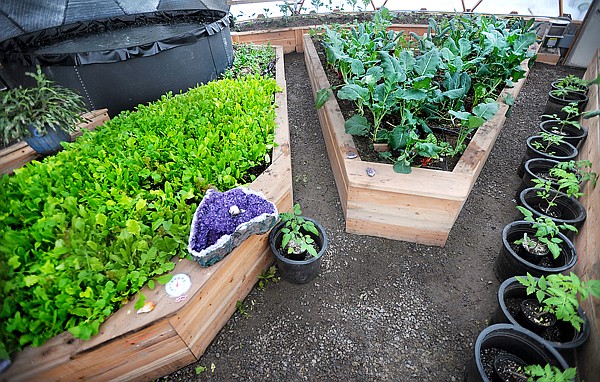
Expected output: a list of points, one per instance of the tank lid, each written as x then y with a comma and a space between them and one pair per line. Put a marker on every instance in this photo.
19, 17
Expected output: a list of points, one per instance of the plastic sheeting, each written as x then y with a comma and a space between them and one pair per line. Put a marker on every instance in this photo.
112, 40
26, 16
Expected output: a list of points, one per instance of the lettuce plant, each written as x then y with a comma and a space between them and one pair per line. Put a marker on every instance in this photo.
82, 232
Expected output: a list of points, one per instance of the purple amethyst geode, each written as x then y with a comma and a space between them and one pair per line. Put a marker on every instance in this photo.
223, 220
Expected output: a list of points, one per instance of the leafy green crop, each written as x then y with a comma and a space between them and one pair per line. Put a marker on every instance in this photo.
452, 80
83, 231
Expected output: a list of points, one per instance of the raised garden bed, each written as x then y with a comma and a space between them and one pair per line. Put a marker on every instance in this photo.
132, 346
419, 207
291, 38
21, 153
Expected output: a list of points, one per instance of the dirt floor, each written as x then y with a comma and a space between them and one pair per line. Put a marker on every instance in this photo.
379, 309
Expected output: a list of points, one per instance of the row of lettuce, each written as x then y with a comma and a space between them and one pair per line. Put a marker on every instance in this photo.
405, 86
83, 231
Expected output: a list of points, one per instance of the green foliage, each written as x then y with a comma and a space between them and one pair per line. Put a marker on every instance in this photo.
560, 294
548, 140
574, 83
548, 373
252, 59
45, 104
296, 233
82, 232
546, 231
322, 97
268, 276
459, 60
581, 168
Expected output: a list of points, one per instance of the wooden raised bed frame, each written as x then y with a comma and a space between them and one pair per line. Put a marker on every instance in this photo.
419, 207
142, 347
587, 241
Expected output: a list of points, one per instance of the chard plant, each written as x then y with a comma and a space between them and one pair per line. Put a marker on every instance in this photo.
546, 232
560, 294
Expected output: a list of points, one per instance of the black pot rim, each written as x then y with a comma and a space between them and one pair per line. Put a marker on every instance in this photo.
582, 98
583, 132
573, 149
510, 327
555, 86
569, 264
580, 219
273, 236
579, 339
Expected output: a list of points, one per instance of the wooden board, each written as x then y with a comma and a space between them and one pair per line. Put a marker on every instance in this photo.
21, 153
292, 39
131, 346
587, 242
419, 207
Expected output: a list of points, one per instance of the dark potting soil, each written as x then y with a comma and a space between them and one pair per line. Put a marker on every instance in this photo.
487, 359
379, 308
552, 333
509, 369
544, 261
533, 312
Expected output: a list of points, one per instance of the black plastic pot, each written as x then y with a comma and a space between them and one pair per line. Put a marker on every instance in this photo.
569, 133
570, 210
122, 61
569, 337
555, 86
509, 263
298, 271
502, 361
49, 143
533, 168
556, 103
562, 152
502, 339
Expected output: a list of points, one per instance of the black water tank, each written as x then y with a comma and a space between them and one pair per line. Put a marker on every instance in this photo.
120, 61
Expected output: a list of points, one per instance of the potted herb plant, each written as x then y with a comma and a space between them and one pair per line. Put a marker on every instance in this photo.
559, 98
501, 340
536, 246
556, 295
299, 244
573, 83
558, 173
42, 115
550, 146
566, 123
561, 207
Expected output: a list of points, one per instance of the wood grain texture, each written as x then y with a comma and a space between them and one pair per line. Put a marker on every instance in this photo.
419, 207
19, 154
131, 346
587, 242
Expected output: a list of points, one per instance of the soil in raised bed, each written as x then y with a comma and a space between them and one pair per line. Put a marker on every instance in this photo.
330, 19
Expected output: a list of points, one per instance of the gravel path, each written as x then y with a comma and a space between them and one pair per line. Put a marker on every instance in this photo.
379, 309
